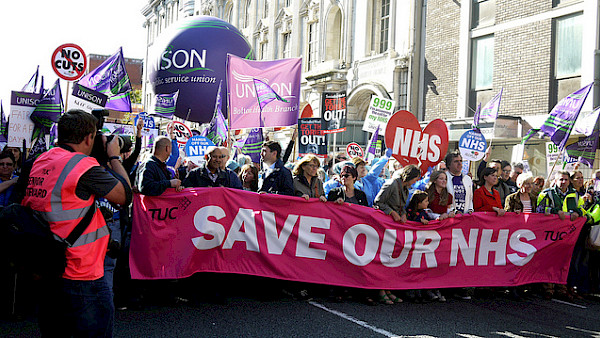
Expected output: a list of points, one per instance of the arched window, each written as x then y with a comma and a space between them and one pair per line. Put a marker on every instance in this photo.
334, 34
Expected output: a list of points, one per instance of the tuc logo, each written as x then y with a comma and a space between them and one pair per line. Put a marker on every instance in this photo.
412, 145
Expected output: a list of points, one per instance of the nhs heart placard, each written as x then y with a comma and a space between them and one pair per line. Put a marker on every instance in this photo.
412, 145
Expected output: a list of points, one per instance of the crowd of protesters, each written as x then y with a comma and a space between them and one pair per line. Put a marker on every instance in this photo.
403, 193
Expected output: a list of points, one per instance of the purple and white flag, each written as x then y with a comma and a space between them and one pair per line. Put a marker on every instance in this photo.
265, 94
588, 123
253, 144
584, 150
490, 111
562, 117
217, 129
477, 117
3, 125
283, 76
165, 104
30, 86
111, 79
47, 111
370, 152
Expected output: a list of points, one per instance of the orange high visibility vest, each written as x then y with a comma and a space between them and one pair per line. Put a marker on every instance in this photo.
51, 192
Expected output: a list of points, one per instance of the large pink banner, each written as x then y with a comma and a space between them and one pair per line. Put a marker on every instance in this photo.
224, 230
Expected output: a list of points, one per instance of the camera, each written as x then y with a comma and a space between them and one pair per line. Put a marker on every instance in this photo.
99, 149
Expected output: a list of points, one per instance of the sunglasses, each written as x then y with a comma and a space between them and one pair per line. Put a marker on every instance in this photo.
346, 175
6, 164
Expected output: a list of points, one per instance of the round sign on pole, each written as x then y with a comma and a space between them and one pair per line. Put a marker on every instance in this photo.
472, 145
69, 62
182, 133
354, 150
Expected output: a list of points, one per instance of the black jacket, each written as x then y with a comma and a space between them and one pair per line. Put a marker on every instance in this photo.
199, 177
278, 182
339, 192
153, 177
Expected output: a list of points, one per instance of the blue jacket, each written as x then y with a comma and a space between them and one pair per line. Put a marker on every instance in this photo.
278, 182
372, 183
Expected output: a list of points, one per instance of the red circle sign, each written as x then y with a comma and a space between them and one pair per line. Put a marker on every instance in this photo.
411, 145
182, 133
354, 150
69, 62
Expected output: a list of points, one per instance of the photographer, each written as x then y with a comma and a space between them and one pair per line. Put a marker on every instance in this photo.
63, 185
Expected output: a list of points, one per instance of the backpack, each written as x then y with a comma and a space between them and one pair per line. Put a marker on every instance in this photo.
29, 244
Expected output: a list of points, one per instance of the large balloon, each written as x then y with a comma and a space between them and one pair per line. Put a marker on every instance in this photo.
191, 57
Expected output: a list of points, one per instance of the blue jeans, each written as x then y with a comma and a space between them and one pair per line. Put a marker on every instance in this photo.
77, 308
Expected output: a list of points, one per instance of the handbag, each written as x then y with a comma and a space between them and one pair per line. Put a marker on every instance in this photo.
29, 244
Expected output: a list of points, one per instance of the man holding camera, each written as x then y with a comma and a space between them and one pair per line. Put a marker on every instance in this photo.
62, 186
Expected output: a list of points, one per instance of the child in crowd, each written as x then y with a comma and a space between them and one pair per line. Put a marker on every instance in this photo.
418, 211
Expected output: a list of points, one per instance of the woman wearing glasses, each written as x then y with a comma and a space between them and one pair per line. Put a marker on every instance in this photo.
307, 183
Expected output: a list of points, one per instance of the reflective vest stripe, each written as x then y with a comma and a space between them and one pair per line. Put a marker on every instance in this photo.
91, 237
57, 214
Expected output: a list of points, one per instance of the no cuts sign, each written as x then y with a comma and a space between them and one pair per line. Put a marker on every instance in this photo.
69, 62
354, 150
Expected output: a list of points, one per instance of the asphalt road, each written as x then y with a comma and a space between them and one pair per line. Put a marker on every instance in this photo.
320, 317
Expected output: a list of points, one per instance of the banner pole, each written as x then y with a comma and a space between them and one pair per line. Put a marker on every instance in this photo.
67, 100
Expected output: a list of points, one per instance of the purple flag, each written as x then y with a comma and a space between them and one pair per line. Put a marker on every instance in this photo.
47, 111
370, 152
283, 77
265, 94
120, 102
32, 83
3, 125
165, 104
111, 79
39, 146
584, 150
588, 123
477, 117
562, 117
217, 129
490, 111
253, 144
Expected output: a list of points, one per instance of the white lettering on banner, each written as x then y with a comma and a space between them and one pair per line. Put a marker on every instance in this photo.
207, 227
467, 250
349, 244
425, 249
426, 242
276, 243
408, 140
306, 237
526, 248
244, 217
387, 248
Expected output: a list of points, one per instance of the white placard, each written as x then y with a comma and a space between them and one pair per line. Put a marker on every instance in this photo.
379, 113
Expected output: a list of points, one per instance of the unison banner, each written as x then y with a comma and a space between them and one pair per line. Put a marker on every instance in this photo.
233, 231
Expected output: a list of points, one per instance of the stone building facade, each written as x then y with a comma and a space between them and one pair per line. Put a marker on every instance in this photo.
362, 47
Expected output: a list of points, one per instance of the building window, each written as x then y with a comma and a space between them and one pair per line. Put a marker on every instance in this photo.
303, 24
403, 90
286, 45
229, 13
312, 45
482, 71
385, 25
483, 13
245, 13
263, 51
568, 43
482, 63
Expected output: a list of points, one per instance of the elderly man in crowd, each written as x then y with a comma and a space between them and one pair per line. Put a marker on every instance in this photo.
153, 177
210, 173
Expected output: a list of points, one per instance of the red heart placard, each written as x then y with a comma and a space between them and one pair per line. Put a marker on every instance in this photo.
411, 145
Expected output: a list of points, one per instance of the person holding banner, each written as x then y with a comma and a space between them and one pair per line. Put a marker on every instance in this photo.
523, 200
440, 201
559, 200
306, 182
486, 198
249, 177
274, 178
153, 177
369, 181
459, 185
210, 174
393, 196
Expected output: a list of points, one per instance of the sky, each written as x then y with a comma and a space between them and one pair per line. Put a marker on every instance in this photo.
30, 31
